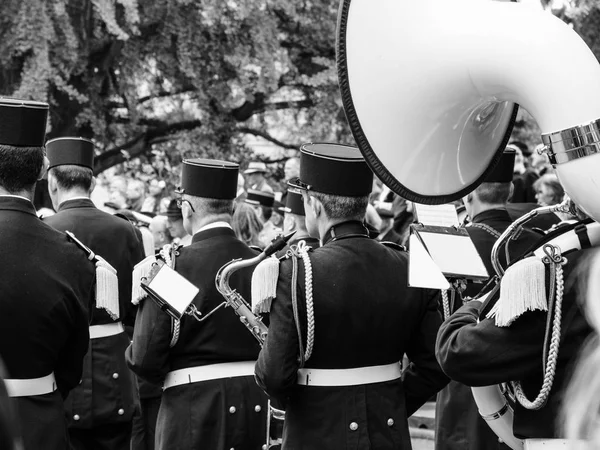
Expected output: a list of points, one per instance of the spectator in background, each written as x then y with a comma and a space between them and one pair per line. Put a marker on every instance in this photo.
256, 177
523, 179
156, 202
262, 202
540, 162
160, 233
548, 190
136, 193
246, 224
386, 229
291, 169
241, 189
175, 224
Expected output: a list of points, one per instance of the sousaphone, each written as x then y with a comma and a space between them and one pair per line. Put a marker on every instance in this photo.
431, 87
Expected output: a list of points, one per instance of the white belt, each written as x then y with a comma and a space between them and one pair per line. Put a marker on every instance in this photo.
209, 372
109, 329
349, 377
31, 386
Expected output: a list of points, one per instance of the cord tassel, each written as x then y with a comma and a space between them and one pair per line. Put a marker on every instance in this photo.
264, 285
140, 270
107, 288
523, 288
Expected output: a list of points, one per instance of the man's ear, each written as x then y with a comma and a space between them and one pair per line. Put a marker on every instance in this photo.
52, 184
316, 205
93, 185
512, 191
186, 211
43, 169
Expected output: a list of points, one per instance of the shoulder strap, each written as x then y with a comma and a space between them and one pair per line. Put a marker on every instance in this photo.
486, 228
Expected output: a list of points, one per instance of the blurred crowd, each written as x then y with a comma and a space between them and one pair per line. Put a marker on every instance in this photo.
144, 190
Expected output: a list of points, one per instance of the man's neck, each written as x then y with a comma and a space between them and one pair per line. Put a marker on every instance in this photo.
63, 196
325, 224
207, 220
483, 207
23, 193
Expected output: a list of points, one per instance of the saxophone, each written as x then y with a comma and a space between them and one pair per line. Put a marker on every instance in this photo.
235, 300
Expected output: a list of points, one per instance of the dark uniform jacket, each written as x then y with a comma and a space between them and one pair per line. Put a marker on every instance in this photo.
482, 354
458, 423
197, 416
392, 236
365, 315
107, 391
309, 241
46, 284
541, 222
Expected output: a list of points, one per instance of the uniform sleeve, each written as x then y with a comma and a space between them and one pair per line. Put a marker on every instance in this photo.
277, 365
482, 354
423, 377
69, 364
148, 354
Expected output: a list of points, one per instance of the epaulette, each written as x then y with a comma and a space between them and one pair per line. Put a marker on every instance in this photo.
523, 286
107, 283
394, 245
266, 275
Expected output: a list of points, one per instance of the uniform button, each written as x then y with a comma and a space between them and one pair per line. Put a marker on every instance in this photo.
390, 422
257, 408
76, 417
232, 410
121, 412
115, 375
354, 426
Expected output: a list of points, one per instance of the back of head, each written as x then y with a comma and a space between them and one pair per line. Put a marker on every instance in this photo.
493, 194
22, 136
70, 177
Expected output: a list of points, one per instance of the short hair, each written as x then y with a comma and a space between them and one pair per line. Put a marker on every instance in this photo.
342, 207
20, 167
551, 182
494, 193
215, 206
71, 177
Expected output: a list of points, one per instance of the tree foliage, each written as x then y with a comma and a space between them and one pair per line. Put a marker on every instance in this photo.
189, 77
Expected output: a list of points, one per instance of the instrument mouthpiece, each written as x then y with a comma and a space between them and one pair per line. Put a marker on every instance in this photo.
278, 243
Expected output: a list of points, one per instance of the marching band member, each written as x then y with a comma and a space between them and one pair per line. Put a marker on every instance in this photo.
101, 407
458, 423
350, 303
210, 399
46, 286
477, 349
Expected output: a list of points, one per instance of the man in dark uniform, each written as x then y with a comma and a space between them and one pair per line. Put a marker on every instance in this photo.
475, 351
46, 285
295, 221
100, 409
262, 202
210, 399
351, 392
458, 423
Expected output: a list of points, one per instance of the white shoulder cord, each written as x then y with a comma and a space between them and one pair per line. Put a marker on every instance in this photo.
302, 250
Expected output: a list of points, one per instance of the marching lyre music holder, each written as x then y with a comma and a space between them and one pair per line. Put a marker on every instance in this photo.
172, 292
442, 254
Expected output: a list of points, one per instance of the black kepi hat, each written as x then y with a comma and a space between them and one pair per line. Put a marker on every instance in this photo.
173, 211
294, 203
72, 151
209, 178
503, 172
23, 122
261, 198
334, 169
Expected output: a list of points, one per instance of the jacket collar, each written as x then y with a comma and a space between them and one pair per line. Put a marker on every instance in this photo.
16, 203
79, 202
345, 230
492, 214
212, 232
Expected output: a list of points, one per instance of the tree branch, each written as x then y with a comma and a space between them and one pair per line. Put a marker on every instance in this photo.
267, 137
140, 144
